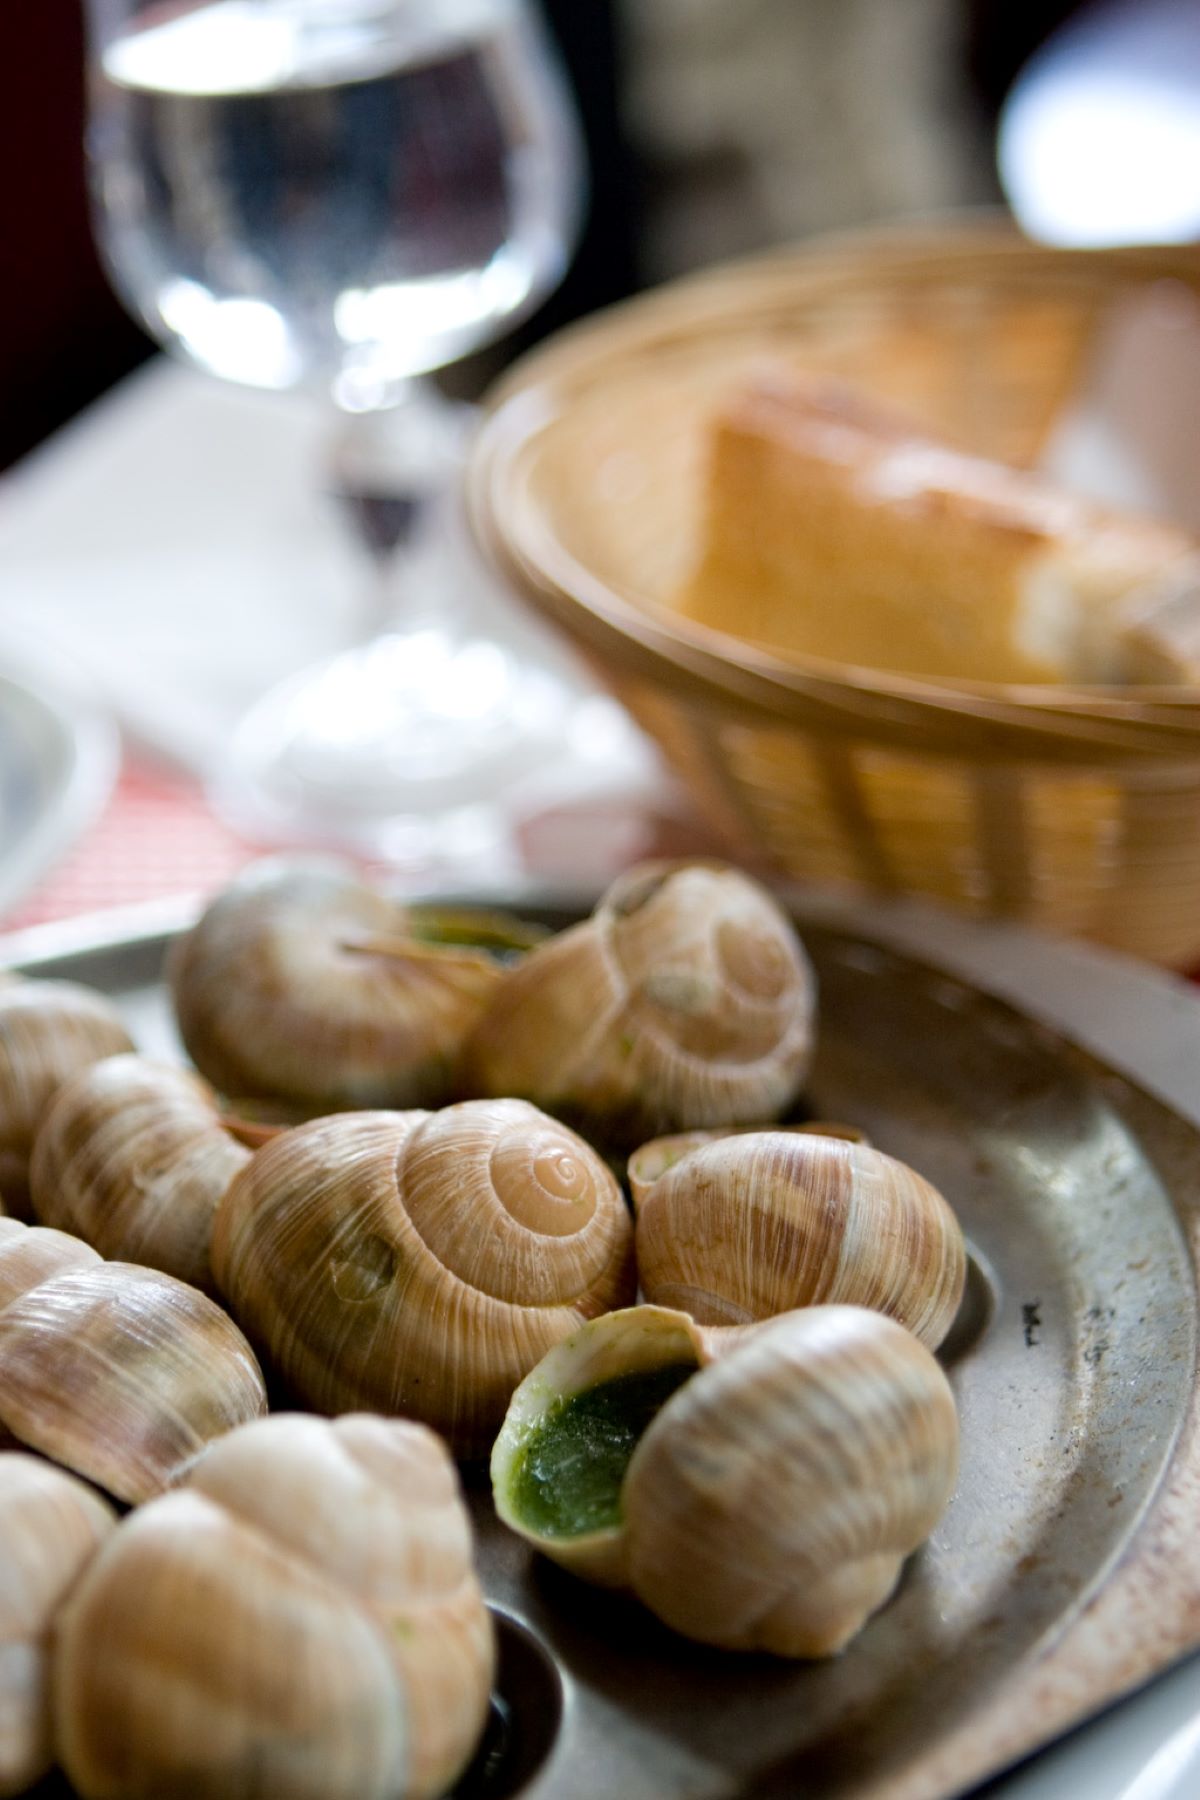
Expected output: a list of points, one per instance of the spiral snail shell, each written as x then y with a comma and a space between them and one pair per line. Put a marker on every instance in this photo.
302, 986
421, 1263
299, 1621
685, 1000
119, 1373
48, 1031
132, 1156
51, 1525
743, 1227
770, 1501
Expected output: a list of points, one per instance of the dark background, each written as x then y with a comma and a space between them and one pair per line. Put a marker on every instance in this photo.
64, 338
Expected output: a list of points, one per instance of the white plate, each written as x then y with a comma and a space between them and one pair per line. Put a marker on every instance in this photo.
58, 761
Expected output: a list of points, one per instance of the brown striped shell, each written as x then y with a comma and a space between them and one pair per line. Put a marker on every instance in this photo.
300, 1621
51, 1525
48, 1031
30, 1254
132, 1156
685, 1000
743, 1227
119, 1373
771, 1502
421, 1263
302, 986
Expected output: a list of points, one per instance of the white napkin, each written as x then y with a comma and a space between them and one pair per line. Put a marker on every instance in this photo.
177, 542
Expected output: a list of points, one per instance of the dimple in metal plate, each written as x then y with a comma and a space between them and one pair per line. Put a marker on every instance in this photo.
1073, 1366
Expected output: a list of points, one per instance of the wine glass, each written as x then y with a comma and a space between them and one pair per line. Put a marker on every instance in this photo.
344, 195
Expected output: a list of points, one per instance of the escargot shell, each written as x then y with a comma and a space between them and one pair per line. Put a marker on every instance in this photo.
771, 1502
300, 1621
421, 1263
303, 986
685, 1000
630, 1340
51, 1525
48, 1031
742, 1227
133, 1157
30, 1254
855, 1420
120, 1373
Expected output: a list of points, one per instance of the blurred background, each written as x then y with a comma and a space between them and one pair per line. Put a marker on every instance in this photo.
712, 130
204, 522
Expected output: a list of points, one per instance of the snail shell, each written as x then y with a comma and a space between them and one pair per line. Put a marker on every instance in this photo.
30, 1254
122, 1374
422, 1263
771, 1502
632, 1340
51, 1525
743, 1227
48, 1031
132, 1156
300, 1621
685, 1000
301, 985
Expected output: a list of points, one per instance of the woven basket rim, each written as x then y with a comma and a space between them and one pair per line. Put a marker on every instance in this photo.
1133, 720
783, 695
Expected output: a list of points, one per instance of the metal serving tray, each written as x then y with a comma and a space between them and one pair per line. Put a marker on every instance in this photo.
1053, 1093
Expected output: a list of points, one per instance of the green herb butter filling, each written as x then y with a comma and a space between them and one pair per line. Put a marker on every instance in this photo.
505, 940
567, 1478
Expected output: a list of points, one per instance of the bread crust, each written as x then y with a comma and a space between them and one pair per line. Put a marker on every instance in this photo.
835, 528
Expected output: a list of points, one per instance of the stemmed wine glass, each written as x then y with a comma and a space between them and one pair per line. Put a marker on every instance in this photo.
345, 195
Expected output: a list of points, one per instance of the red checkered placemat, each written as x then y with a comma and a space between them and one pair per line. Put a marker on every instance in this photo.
155, 838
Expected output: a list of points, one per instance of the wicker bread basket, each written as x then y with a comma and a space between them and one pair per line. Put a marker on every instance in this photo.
1074, 809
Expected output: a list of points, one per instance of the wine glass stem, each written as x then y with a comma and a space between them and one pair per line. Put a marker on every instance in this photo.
394, 471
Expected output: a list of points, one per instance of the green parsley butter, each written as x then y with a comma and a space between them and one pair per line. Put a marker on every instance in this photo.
567, 1479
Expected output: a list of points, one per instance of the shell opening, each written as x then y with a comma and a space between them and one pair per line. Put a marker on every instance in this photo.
568, 1476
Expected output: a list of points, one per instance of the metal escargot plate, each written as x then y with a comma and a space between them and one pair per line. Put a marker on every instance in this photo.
1053, 1093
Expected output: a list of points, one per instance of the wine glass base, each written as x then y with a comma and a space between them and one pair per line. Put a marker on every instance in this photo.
393, 748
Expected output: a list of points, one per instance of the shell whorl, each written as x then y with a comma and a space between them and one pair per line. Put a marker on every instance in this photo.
545, 1209
394, 1261
685, 1000
707, 956
747, 1226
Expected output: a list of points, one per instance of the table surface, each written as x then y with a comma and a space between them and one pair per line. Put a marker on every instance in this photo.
178, 517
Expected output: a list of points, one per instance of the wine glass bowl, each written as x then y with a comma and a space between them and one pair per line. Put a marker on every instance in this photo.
341, 192
340, 196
